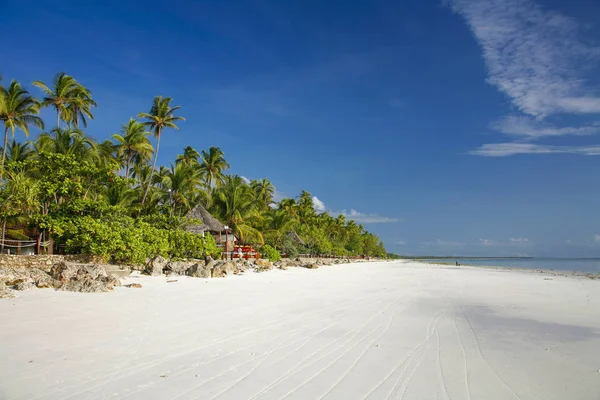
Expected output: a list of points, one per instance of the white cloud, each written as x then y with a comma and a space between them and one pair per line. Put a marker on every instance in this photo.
597, 238
401, 242
568, 241
487, 242
519, 240
533, 55
532, 128
245, 179
363, 218
319, 205
510, 149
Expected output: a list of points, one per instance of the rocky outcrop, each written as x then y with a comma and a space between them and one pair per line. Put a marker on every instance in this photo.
179, 267
156, 266
25, 286
201, 270
12, 276
83, 278
222, 269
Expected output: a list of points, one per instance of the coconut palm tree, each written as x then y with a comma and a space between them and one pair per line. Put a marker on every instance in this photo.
19, 111
18, 198
16, 151
189, 157
212, 166
278, 224
235, 205
79, 107
264, 191
65, 92
181, 182
160, 117
69, 141
133, 144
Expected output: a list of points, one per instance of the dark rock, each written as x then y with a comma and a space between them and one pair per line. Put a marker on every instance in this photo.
179, 267
134, 285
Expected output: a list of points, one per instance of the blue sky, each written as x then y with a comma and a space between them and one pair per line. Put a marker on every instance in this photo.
447, 127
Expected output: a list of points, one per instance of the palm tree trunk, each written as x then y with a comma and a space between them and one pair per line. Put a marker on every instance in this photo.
4, 152
58, 118
153, 165
127, 169
3, 236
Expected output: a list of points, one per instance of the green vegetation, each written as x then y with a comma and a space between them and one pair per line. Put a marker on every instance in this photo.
270, 253
110, 198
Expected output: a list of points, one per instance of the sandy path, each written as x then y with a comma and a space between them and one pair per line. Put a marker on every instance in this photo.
362, 331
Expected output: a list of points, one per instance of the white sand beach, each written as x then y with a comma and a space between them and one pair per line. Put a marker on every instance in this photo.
394, 330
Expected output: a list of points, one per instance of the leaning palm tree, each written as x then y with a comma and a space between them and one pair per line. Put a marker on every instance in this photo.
212, 166
64, 93
19, 111
160, 117
133, 144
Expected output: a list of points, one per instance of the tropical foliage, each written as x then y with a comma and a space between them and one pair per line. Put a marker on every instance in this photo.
110, 198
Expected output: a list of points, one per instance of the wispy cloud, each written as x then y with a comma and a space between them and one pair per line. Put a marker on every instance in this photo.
487, 242
532, 128
401, 243
597, 238
533, 55
519, 240
510, 149
444, 243
363, 218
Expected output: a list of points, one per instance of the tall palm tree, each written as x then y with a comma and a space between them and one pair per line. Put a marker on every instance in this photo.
19, 111
181, 182
133, 144
63, 95
189, 157
235, 204
160, 117
279, 223
212, 166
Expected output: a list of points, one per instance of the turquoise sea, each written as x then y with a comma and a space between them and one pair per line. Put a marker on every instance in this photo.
557, 264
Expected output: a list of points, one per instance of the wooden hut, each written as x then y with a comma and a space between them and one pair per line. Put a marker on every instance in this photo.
211, 225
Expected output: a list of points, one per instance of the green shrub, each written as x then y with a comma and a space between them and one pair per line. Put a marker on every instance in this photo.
270, 253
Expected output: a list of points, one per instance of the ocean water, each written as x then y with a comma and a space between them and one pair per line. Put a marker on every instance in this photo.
557, 264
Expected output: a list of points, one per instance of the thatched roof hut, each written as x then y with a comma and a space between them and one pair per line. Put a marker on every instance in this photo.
294, 236
210, 223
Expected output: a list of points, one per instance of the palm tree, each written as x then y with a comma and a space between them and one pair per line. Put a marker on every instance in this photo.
19, 198
212, 166
264, 191
16, 151
181, 182
19, 111
235, 204
189, 157
80, 107
64, 93
160, 117
279, 223
133, 144
69, 141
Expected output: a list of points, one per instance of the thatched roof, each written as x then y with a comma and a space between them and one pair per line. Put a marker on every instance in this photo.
210, 223
294, 236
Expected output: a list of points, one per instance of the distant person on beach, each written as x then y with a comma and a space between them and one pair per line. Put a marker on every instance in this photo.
457, 264
239, 253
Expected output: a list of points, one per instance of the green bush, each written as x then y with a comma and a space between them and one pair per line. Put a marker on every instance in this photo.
270, 253
122, 240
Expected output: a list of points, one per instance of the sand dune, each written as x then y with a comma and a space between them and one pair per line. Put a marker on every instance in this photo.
361, 331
